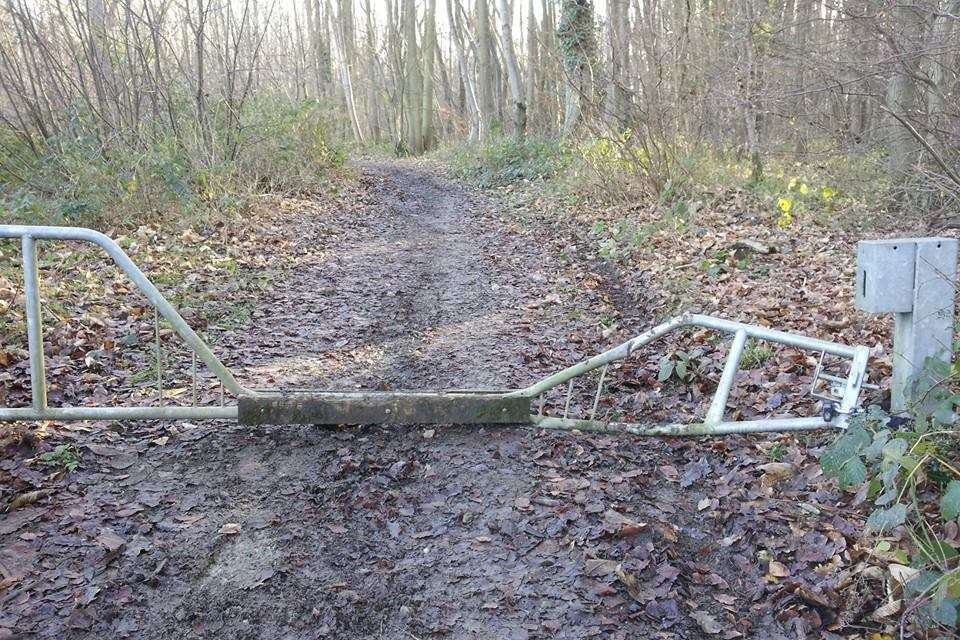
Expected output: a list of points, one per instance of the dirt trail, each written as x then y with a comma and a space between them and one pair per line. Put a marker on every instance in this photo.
409, 532
423, 291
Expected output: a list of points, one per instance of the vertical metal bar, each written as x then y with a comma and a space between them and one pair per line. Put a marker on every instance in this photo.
719, 404
851, 392
193, 367
31, 282
816, 374
566, 406
156, 326
596, 398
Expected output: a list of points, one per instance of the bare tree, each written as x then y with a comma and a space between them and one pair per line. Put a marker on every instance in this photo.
513, 69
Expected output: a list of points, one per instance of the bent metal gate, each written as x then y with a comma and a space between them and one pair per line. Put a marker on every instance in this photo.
836, 386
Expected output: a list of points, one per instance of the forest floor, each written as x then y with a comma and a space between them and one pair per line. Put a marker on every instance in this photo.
408, 280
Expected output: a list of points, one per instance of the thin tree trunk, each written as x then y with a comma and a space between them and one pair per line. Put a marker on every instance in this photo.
412, 103
466, 78
513, 70
343, 34
485, 68
429, 47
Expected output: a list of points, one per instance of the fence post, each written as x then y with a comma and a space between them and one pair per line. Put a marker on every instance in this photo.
915, 279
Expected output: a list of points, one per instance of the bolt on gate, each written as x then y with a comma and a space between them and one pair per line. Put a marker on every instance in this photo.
839, 391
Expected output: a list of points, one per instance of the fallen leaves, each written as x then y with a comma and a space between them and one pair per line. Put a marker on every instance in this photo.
659, 534
777, 569
629, 581
109, 540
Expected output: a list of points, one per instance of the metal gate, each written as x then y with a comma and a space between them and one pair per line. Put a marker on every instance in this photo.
838, 391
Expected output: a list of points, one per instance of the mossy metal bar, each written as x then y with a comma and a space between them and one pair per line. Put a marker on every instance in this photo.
384, 408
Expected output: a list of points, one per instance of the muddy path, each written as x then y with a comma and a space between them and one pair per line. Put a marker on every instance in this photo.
421, 290
414, 532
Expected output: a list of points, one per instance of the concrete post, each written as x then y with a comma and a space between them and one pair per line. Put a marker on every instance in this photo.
916, 280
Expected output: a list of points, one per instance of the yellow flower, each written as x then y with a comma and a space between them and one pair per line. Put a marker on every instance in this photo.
784, 220
827, 193
784, 204
792, 183
804, 189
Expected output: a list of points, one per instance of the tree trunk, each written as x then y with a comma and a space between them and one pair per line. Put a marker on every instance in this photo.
532, 50
466, 78
345, 44
429, 48
577, 47
413, 99
513, 70
902, 147
485, 68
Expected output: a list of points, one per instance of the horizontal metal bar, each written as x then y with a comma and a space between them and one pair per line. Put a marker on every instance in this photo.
772, 335
65, 414
694, 429
384, 408
833, 378
143, 283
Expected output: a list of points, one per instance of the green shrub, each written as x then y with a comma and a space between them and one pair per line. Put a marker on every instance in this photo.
912, 477
77, 178
504, 160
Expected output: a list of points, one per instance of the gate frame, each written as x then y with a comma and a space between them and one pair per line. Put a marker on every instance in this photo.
440, 407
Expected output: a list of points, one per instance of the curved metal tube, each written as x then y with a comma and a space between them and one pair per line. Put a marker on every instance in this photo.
143, 283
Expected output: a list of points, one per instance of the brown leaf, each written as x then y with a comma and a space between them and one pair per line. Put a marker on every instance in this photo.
629, 581
109, 540
619, 525
28, 498
889, 609
595, 567
668, 531
778, 569
777, 469
707, 622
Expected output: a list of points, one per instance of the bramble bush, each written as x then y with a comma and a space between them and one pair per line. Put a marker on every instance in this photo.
911, 474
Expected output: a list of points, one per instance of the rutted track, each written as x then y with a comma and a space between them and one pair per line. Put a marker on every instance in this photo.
409, 532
